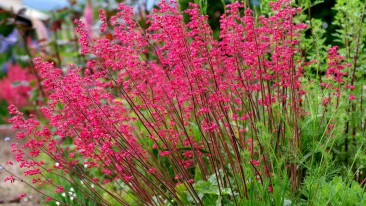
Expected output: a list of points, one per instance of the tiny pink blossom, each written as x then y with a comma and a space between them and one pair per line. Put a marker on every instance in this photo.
255, 163
352, 97
21, 195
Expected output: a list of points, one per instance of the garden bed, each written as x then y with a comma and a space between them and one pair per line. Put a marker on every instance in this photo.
10, 191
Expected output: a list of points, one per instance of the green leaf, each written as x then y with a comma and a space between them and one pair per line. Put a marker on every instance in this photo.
197, 174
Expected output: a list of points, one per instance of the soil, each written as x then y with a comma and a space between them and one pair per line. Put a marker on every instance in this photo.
9, 192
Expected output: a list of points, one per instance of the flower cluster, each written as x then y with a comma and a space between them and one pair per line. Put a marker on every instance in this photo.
335, 76
16, 86
156, 104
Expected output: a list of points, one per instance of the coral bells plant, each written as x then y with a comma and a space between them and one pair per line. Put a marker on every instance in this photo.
170, 115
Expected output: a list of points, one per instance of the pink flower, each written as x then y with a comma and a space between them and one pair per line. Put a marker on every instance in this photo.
21, 195
88, 17
72, 155
48, 199
352, 97
59, 189
164, 153
336, 65
255, 163
9, 163
9, 178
